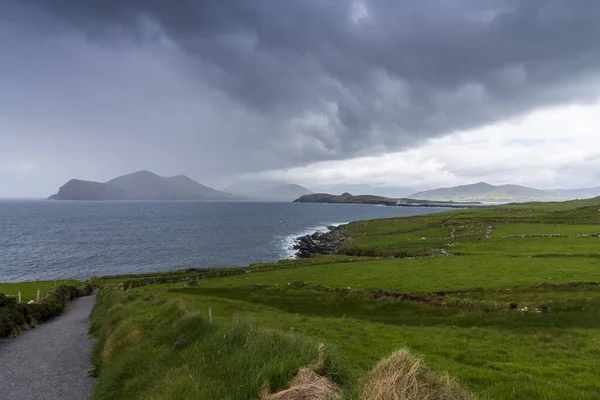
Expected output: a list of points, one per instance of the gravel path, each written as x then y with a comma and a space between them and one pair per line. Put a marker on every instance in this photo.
51, 361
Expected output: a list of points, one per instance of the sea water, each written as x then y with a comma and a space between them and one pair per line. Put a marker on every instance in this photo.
42, 240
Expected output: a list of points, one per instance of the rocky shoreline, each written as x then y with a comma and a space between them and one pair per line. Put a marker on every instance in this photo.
329, 242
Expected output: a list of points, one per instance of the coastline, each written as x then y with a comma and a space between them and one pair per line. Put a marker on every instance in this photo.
404, 205
432, 205
320, 242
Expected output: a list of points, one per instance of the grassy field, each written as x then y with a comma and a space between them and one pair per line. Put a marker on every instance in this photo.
29, 289
427, 274
155, 346
504, 299
494, 355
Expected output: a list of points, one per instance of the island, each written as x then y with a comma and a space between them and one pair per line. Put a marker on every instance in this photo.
141, 185
347, 198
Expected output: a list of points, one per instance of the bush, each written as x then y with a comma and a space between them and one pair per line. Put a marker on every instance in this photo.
15, 317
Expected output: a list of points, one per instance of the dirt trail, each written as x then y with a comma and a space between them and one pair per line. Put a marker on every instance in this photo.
51, 361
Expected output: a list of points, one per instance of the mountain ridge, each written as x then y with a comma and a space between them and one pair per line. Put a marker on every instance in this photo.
268, 190
140, 185
483, 191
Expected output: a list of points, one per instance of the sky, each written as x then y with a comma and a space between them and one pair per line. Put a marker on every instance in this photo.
396, 93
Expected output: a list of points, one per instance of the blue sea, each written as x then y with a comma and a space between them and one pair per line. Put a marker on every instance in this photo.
42, 240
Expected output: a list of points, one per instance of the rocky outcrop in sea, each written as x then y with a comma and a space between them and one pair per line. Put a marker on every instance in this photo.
329, 242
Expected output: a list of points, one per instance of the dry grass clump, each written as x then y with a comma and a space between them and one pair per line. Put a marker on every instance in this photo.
401, 376
308, 384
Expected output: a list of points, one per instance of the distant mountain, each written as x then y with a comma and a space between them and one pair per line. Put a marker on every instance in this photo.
584, 193
485, 192
267, 190
361, 188
77, 189
251, 186
285, 192
142, 185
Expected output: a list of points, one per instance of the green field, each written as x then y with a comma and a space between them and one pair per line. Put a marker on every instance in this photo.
504, 299
29, 289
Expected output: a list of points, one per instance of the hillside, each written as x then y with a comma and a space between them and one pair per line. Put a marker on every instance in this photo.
142, 185
267, 190
485, 192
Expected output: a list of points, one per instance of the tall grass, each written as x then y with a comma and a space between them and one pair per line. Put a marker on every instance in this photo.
151, 348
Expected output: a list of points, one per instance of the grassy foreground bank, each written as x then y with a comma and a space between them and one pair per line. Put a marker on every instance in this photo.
153, 347
503, 299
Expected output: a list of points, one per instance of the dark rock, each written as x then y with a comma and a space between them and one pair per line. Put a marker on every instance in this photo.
321, 242
179, 343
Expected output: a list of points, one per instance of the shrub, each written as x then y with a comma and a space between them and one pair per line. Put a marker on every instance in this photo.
15, 317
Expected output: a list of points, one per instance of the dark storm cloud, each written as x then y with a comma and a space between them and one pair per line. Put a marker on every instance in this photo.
290, 82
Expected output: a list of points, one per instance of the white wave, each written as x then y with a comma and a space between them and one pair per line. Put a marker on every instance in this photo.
288, 242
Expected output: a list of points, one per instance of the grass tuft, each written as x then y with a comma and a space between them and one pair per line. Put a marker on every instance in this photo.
402, 376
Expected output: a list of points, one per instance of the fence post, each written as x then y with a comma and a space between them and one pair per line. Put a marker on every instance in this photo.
235, 318
292, 331
19, 296
210, 314
37, 298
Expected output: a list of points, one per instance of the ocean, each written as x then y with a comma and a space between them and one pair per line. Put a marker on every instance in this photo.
47, 240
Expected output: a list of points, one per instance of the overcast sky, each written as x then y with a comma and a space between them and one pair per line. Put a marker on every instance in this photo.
410, 93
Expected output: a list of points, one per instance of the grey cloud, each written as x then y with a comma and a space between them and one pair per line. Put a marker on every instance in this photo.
241, 73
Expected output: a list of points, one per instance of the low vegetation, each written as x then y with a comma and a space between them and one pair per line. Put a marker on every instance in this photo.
16, 317
155, 347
